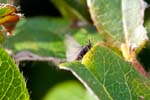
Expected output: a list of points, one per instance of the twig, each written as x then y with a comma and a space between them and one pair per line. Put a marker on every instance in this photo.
29, 56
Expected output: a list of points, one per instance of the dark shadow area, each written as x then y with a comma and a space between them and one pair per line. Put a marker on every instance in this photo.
42, 76
148, 1
32, 8
144, 57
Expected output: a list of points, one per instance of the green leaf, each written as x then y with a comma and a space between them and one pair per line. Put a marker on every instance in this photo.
11, 81
120, 21
41, 35
83, 74
33, 25
4, 1
72, 9
70, 90
109, 76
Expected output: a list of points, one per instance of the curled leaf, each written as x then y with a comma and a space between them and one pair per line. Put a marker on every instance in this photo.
8, 17
121, 22
9, 22
6, 9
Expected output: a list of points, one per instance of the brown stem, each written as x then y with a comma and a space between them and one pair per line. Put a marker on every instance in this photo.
139, 67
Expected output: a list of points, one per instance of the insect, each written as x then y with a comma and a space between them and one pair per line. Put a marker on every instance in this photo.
74, 50
84, 50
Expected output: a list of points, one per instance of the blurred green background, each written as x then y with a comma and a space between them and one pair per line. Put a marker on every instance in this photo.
43, 77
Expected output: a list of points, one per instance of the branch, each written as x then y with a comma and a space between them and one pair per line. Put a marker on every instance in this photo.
29, 56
